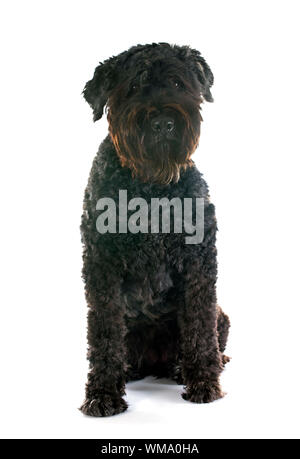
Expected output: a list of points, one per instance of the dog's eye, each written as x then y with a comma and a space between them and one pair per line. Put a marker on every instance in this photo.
133, 88
177, 84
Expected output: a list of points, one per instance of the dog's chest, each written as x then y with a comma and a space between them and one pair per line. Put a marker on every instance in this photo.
146, 296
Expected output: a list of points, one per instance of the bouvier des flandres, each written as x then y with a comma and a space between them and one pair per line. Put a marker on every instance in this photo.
151, 294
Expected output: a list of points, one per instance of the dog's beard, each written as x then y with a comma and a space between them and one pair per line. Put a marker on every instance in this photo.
154, 161
159, 163
162, 164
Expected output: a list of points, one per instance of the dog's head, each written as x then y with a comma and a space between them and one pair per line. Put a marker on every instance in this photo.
153, 95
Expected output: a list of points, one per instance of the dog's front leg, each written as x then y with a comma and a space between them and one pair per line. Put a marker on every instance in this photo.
201, 358
107, 356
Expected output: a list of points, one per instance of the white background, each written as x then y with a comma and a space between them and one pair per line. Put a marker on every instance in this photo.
249, 154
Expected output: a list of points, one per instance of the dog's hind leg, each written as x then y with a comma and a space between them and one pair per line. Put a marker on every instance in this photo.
223, 326
136, 346
152, 351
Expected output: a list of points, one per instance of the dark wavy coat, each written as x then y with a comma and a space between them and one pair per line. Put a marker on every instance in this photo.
151, 297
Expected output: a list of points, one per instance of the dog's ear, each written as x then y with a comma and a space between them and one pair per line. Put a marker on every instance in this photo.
96, 90
201, 69
205, 76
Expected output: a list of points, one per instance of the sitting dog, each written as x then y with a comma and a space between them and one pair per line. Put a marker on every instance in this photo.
151, 295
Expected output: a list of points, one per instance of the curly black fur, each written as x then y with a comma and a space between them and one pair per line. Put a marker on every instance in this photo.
151, 297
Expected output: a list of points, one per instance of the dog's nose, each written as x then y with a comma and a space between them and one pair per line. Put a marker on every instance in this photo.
162, 124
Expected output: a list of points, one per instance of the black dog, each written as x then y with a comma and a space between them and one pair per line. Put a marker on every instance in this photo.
151, 296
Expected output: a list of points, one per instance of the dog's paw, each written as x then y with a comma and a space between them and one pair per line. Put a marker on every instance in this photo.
104, 405
204, 392
225, 359
176, 375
